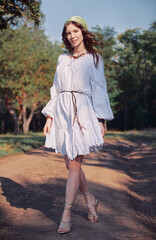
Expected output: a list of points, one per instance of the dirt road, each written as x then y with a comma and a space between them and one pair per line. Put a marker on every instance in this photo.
121, 176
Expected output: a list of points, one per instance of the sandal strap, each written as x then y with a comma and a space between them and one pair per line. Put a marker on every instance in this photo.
67, 206
92, 204
87, 193
65, 224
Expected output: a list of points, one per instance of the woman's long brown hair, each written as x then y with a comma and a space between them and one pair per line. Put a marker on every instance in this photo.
93, 42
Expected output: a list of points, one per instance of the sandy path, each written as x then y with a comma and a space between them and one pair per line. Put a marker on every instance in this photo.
32, 188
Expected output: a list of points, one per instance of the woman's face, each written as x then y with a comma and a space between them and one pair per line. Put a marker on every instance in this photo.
74, 35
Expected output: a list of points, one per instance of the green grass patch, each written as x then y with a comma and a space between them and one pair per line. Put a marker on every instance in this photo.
14, 144
144, 136
134, 135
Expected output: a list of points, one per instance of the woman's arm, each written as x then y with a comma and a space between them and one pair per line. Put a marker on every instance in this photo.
102, 126
100, 99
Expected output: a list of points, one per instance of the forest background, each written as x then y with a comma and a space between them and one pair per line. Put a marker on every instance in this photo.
28, 61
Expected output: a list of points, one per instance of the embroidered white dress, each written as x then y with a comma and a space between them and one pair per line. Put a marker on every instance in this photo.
90, 92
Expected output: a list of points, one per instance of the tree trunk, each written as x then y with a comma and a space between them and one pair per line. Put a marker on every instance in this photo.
12, 111
14, 116
27, 121
2, 126
16, 120
26, 125
144, 89
125, 116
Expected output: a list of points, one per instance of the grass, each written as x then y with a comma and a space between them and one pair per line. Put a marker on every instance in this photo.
14, 144
134, 135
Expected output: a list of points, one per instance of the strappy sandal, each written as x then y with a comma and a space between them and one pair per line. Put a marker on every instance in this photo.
65, 225
92, 217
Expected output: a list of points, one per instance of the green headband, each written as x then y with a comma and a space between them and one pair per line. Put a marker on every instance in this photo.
79, 20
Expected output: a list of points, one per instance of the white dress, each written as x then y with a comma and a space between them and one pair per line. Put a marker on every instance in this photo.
90, 92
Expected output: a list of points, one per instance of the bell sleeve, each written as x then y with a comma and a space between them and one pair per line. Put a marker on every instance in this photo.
100, 99
48, 109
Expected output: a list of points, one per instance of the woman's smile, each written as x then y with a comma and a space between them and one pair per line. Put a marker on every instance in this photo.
74, 41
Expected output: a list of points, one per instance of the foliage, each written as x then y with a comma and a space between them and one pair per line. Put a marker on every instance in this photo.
107, 35
12, 11
28, 61
136, 77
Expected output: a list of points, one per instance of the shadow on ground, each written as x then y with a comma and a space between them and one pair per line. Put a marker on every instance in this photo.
49, 199
124, 215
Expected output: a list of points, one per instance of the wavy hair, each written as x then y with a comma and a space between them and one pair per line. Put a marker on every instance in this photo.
93, 42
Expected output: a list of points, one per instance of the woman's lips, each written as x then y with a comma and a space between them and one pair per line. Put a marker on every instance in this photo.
74, 41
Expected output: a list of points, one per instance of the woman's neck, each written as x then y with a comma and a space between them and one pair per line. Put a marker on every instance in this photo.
79, 49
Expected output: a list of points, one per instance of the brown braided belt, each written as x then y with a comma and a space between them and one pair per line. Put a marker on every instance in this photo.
75, 108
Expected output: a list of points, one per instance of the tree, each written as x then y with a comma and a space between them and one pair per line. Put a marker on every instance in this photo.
13, 10
136, 71
107, 35
28, 62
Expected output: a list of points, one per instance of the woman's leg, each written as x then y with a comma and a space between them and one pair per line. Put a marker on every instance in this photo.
72, 187
83, 182
90, 200
77, 180
84, 189
73, 182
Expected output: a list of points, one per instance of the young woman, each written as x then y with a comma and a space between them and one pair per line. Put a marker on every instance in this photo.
77, 110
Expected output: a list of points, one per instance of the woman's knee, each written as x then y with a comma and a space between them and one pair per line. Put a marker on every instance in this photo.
79, 158
74, 165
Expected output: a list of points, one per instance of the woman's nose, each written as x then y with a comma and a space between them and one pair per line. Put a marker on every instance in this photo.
72, 35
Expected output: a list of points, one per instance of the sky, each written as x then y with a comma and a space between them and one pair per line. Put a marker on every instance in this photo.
120, 14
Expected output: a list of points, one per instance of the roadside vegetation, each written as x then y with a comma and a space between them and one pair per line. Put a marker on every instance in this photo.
13, 144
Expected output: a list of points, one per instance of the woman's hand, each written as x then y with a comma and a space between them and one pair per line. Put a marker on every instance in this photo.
48, 126
103, 128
